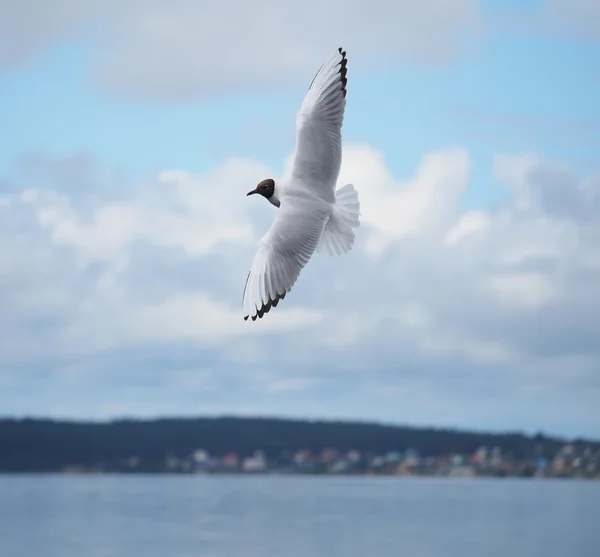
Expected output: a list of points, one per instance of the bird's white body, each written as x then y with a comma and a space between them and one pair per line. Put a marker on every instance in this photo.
312, 215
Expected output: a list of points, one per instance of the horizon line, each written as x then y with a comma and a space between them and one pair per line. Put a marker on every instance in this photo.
280, 417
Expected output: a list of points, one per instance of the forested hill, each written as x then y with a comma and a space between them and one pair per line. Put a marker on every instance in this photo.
49, 445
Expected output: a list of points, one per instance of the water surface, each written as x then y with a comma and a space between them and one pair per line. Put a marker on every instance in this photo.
185, 516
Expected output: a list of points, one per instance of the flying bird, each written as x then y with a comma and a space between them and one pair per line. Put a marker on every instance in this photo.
312, 215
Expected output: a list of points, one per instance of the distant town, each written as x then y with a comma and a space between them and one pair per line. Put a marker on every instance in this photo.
567, 463
234, 445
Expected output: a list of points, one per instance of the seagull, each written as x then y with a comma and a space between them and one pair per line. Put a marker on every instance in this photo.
312, 215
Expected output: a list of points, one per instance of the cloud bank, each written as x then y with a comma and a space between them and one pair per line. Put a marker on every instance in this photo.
437, 313
186, 49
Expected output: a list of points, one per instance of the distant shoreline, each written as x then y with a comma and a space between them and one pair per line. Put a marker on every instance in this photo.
272, 446
307, 476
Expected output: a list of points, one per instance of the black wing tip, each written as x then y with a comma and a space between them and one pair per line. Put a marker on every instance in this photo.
265, 308
343, 70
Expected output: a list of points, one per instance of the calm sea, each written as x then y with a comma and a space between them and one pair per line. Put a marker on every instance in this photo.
185, 516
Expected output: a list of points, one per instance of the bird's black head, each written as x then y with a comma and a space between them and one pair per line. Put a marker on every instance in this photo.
266, 188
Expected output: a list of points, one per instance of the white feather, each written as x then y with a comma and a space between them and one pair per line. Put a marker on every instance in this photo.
318, 153
282, 253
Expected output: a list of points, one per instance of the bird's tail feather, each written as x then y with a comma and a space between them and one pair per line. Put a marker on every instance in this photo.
338, 235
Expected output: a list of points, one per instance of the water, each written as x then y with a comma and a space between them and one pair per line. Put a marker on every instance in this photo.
185, 516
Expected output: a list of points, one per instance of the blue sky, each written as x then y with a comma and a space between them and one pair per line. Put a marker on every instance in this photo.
471, 134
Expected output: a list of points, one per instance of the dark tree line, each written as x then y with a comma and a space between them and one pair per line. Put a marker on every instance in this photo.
39, 445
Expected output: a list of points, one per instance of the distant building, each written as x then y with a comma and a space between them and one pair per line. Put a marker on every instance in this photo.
302, 456
230, 460
377, 462
465, 471
328, 455
496, 459
255, 463
457, 459
393, 456
411, 458
339, 467
200, 456
171, 463
353, 456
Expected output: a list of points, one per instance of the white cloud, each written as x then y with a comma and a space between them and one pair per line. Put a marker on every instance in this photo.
198, 317
574, 16
179, 210
518, 290
470, 223
289, 385
395, 210
569, 18
185, 48
429, 291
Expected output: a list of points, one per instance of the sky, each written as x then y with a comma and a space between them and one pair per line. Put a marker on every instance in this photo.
132, 130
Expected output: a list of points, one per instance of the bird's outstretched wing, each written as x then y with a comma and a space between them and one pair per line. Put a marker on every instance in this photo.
282, 253
318, 154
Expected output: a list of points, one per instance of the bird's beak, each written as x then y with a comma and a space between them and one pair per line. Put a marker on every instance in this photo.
251, 192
